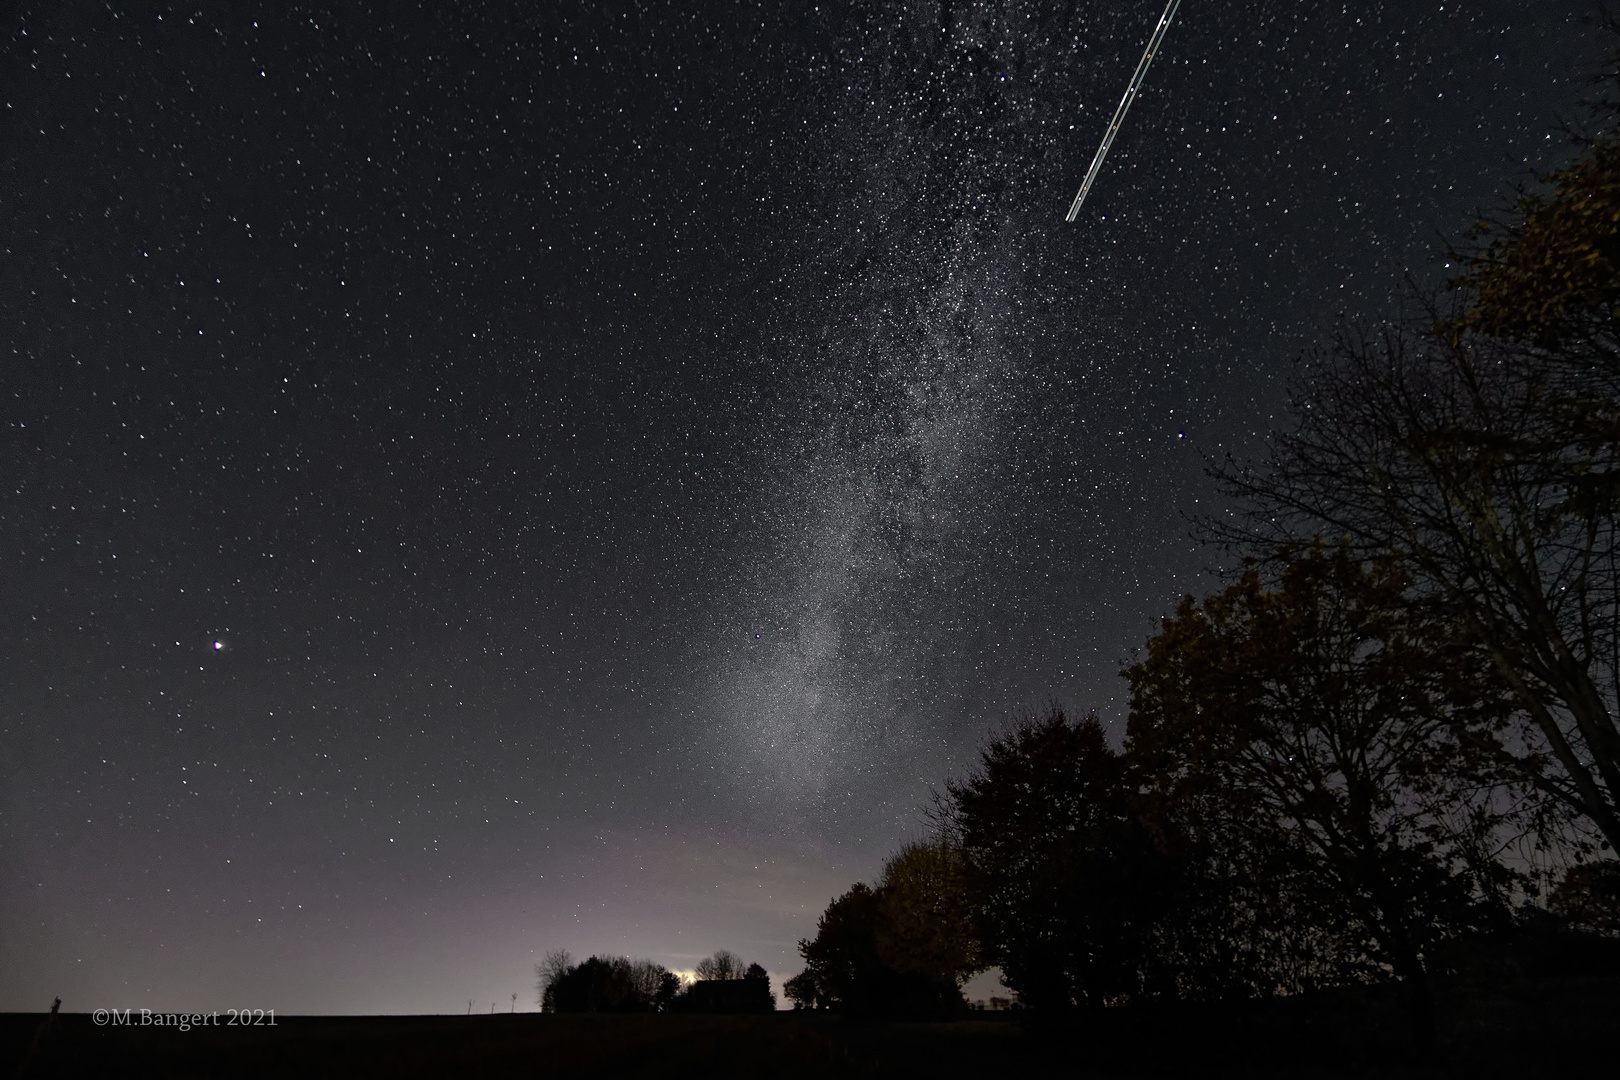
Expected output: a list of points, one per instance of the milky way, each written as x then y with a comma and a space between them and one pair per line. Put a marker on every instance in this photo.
629, 455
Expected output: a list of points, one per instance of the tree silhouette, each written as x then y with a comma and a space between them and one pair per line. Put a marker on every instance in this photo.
927, 927
1312, 727
1588, 898
900, 950
1483, 452
612, 984
1550, 275
548, 972
724, 964
1065, 885
842, 960
801, 990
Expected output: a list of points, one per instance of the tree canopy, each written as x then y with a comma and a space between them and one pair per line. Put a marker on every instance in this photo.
1551, 272
1315, 730
902, 949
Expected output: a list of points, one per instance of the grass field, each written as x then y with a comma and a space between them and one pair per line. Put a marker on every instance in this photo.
524, 1045
1556, 1028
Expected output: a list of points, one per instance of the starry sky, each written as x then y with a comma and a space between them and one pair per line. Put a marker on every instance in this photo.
486, 478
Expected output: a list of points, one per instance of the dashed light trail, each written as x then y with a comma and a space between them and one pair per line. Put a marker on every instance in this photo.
1124, 105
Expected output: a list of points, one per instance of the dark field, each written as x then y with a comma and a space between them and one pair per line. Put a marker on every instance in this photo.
1555, 1028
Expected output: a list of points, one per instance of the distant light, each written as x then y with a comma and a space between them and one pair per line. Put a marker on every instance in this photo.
217, 646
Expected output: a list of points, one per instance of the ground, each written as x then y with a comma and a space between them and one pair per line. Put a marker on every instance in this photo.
1549, 1028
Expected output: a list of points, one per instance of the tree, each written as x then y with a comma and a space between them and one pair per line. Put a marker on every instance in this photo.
842, 959
1313, 725
548, 972
1483, 452
1551, 273
610, 984
927, 928
903, 949
1489, 469
656, 984
1588, 898
724, 964
802, 991
1088, 891
1065, 885
1547, 283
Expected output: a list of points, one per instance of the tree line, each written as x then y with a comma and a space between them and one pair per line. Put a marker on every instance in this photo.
618, 984
1391, 736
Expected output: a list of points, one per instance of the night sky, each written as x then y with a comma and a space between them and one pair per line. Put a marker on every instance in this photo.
487, 478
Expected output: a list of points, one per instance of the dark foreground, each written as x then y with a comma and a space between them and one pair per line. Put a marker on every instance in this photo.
1561, 1028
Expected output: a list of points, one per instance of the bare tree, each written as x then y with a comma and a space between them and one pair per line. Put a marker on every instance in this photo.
1490, 469
654, 982
1483, 450
724, 964
549, 972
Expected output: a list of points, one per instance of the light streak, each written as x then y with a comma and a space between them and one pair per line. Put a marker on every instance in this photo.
1124, 105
